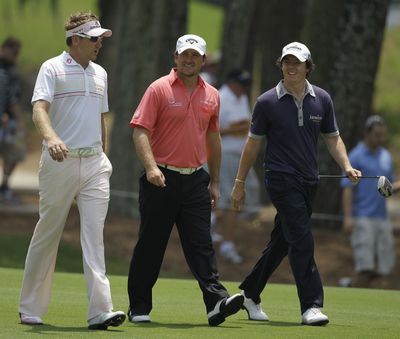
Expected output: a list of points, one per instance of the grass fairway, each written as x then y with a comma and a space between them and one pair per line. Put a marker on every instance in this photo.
179, 312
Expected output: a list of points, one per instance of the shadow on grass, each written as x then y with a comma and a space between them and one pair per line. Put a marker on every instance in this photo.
272, 323
284, 324
181, 326
47, 329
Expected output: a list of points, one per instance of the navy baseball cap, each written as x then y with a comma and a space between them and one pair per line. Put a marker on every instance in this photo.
240, 76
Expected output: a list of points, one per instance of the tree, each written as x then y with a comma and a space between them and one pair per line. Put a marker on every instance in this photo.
346, 47
144, 34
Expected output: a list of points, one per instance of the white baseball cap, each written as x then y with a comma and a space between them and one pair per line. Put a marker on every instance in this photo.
299, 50
90, 28
191, 41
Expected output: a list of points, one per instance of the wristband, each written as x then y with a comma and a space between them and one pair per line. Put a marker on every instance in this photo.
239, 180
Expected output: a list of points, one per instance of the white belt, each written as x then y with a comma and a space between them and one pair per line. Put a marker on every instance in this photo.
181, 170
83, 152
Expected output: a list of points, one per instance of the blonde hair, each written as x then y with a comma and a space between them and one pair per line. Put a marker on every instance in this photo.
79, 18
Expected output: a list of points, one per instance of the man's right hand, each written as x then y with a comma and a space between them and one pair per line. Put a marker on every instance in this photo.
156, 177
57, 149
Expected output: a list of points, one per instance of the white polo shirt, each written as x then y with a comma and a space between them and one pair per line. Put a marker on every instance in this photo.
232, 109
77, 96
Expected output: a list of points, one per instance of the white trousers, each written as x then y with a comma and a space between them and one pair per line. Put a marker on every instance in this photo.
87, 181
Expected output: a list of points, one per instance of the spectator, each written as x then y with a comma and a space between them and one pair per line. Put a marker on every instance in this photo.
291, 116
234, 121
12, 124
209, 71
365, 210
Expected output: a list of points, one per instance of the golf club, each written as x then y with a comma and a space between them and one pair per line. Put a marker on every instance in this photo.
385, 187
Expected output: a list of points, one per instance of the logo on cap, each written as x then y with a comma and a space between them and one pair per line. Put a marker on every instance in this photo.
191, 41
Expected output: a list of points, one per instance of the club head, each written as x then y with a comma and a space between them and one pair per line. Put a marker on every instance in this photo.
385, 187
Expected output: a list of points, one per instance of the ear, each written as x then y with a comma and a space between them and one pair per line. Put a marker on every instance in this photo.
75, 40
204, 60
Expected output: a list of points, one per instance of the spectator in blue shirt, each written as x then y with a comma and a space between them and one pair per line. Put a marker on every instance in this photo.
365, 213
291, 116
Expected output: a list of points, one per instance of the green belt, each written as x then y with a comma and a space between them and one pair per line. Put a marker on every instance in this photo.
84, 152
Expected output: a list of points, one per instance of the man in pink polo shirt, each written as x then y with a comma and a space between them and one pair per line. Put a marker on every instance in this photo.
176, 132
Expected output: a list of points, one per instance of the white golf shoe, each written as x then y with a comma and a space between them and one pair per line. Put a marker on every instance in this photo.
30, 319
225, 308
314, 317
143, 318
254, 311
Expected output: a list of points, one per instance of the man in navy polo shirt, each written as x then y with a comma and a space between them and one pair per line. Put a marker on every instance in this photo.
291, 116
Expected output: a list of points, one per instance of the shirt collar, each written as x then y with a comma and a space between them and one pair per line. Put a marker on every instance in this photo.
173, 76
281, 89
69, 60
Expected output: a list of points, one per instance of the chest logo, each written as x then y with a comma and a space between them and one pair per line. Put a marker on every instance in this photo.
315, 118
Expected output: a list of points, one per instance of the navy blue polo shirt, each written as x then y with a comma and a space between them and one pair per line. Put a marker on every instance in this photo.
292, 128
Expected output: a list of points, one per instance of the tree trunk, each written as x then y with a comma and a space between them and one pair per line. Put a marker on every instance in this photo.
238, 20
346, 48
144, 34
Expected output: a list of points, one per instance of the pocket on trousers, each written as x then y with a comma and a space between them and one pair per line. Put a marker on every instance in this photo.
107, 163
275, 182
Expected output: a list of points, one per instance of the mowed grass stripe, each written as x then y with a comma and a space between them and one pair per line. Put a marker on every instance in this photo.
179, 312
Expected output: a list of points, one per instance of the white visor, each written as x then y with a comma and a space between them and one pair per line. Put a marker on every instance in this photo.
91, 28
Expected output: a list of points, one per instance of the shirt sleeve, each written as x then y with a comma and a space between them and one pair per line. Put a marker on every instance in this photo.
145, 114
45, 85
329, 124
258, 127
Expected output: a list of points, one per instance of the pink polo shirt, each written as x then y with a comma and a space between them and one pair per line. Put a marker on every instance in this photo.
177, 121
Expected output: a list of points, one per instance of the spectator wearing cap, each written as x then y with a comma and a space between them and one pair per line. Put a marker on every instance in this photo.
209, 72
234, 119
291, 117
12, 123
176, 132
69, 105
365, 212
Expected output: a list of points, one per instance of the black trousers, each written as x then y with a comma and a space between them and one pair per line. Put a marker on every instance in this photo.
292, 197
186, 202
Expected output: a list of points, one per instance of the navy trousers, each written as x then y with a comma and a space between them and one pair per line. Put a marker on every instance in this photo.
291, 236
186, 202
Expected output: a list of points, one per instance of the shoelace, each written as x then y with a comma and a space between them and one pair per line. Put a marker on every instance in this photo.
314, 310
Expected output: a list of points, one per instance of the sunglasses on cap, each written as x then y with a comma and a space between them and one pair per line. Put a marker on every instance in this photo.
93, 39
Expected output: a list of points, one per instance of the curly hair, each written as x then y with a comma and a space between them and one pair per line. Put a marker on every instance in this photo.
77, 19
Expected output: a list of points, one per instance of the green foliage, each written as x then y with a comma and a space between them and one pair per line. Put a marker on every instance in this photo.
39, 25
179, 312
388, 79
206, 20
386, 99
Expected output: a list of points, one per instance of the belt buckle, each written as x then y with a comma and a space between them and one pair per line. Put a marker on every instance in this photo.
186, 171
